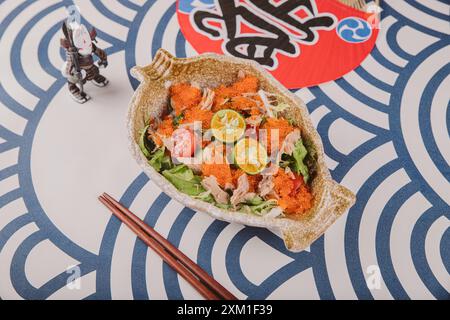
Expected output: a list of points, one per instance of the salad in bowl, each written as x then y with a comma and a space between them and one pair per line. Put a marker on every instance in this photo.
233, 147
222, 136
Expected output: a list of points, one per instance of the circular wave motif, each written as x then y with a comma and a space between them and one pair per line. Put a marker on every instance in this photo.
378, 134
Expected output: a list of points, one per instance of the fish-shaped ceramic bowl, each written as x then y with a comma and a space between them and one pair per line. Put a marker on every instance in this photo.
331, 200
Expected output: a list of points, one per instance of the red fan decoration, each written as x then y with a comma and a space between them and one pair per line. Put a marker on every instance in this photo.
301, 42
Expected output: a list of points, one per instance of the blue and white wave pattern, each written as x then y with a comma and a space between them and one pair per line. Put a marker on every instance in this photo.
385, 128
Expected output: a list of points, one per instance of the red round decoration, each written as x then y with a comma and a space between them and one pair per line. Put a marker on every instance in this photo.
301, 42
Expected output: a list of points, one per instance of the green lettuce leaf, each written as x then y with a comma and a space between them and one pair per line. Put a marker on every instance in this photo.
143, 143
159, 160
184, 180
277, 109
256, 200
261, 208
157, 157
205, 196
311, 158
299, 156
223, 206
177, 119
285, 161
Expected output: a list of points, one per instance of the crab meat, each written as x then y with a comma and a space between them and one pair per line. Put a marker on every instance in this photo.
266, 185
254, 121
271, 170
211, 185
290, 141
207, 99
289, 172
167, 142
241, 194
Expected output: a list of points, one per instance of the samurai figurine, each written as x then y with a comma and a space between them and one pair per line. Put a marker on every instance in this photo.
79, 67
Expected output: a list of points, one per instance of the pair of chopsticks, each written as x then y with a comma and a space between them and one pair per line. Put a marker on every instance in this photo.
209, 288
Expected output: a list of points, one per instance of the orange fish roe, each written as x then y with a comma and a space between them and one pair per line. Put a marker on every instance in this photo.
247, 84
241, 103
165, 129
184, 96
292, 201
217, 165
196, 114
222, 172
223, 94
283, 127
253, 180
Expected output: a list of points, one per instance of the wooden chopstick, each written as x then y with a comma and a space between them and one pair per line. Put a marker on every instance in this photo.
207, 286
191, 265
169, 259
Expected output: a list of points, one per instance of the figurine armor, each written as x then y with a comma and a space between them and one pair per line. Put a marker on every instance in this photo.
79, 67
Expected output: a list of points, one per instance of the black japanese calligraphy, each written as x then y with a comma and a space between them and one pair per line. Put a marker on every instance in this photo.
278, 28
